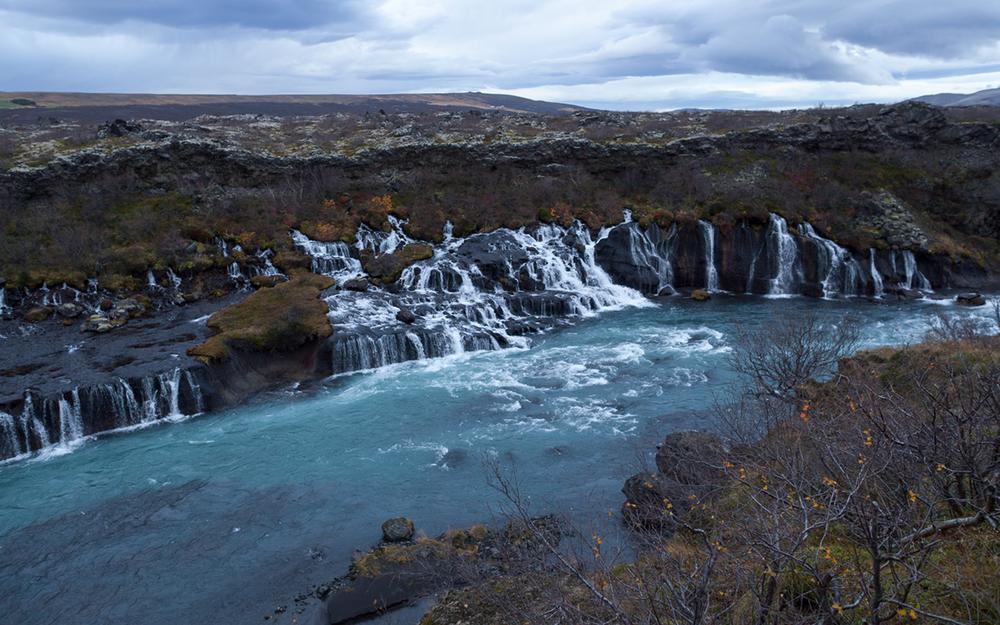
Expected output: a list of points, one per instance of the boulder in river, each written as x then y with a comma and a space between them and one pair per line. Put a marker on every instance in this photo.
701, 295
970, 299
356, 284
405, 316
397, 530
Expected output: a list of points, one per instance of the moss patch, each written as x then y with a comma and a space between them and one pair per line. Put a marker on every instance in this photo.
275, 319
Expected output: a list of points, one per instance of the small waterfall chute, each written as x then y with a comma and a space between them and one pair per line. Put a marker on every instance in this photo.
878, 287
708, 241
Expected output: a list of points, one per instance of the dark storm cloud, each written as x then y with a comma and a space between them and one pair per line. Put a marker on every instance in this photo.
944, 29
729, 51
263, 14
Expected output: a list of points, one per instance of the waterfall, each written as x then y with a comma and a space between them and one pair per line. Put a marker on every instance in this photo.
175, 280
151, 281
28, 416
10, 444
3, 301
913, 278
877, 284
170, 386
223, 247
331, 259
783, 281
199, 400
481, 292
839, 271
267, 268
380, 242
70, 418
106, 407
708, 238
236, 275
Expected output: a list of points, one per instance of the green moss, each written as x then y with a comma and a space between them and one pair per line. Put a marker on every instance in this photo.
281, 318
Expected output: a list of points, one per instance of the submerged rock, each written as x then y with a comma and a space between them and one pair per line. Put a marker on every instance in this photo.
970, 299
397, 530
356, 284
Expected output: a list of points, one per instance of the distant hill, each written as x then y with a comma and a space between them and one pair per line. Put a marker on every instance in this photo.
22, 107
986, 97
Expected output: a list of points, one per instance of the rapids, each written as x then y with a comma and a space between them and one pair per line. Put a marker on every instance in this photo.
222, 517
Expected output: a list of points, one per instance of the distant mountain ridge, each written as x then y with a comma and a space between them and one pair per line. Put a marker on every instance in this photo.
97, 107
986, 97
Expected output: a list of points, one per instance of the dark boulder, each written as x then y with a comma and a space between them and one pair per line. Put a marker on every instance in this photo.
397, 530
356, 284
405, 316
970, 299
691, 457
117, 128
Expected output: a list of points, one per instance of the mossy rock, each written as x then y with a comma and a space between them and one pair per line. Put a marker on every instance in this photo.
287, 260
37, 313
387, 268
281, 318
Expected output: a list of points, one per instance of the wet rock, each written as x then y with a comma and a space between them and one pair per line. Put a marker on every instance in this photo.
397, 530
701, 295
356, 284
37, 313
970, 299
106, 304
691, 457
453, 458
69, 310
98, 324
405, 316
903, 292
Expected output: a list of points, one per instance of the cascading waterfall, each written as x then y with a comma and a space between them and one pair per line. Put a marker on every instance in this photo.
783, 281
708, 238
175, 280
70, 418
913, 279
3, 301
383, 242
10, 441
116, 405
267, 268
332, 259
546, 271
840, 272
878, 286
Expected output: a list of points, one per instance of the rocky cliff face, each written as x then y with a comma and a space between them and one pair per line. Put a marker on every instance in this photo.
840, 207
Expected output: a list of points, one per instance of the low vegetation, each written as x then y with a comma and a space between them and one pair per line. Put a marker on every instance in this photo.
870, 498
274, 319
429, 169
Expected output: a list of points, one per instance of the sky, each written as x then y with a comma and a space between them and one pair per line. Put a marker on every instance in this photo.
625, 54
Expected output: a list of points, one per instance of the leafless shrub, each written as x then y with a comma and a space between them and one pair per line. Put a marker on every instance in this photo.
951, 327
778, 359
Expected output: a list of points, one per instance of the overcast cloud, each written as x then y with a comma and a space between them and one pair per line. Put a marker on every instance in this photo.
632, 54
